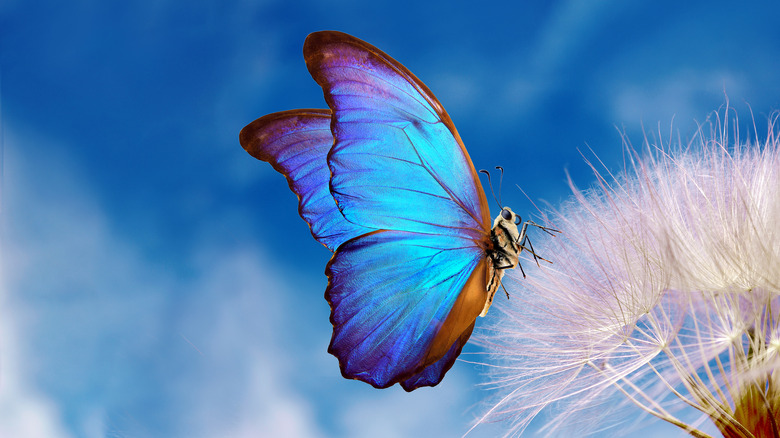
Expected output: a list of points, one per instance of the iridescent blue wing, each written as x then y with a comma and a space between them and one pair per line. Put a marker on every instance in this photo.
403, 304
455, 331
403, 299
398, 161
296, 144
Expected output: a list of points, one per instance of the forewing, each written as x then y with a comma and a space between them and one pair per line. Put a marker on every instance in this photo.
296, 144
397, 163
392, 294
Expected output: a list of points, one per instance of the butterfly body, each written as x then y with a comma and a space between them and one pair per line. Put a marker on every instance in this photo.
504, 252
385, 183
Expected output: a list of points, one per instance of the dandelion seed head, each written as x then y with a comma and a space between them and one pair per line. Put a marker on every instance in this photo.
664, 292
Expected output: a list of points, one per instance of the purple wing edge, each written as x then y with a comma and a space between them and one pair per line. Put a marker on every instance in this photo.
287, 127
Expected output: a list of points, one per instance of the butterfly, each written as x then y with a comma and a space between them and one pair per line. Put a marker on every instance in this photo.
385, 183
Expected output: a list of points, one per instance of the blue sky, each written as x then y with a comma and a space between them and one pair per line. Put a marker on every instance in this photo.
156, 280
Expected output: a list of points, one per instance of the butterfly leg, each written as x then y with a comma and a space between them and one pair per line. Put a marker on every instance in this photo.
522, 238
530, 249
505, 291
509, 266
547, 230
497, 259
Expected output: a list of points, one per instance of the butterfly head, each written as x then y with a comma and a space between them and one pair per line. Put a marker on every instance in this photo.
509, 221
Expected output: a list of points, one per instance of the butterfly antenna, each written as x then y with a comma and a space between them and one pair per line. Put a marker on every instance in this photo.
500, 181
490, 183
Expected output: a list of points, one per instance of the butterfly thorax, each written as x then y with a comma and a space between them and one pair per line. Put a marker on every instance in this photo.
504, 251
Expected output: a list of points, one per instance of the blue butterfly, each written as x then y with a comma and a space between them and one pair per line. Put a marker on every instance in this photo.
385, 182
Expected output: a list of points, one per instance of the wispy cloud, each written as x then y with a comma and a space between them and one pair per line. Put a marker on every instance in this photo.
238, 378
678, 95
98, 333
24, 410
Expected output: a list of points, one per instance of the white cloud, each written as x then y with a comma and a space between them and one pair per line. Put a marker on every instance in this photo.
93, 328
502, 89
236, 326
566, 30
24, 411
681, 95
424, 412
569, 27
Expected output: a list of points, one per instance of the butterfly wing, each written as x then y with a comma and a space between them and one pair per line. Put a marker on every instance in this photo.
397, 306
296, 144
398, 161
432, 374
401, 308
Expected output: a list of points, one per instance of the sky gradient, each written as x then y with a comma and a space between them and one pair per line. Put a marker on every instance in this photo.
156, 280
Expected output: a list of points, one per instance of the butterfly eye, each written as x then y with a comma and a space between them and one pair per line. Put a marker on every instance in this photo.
506, 214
